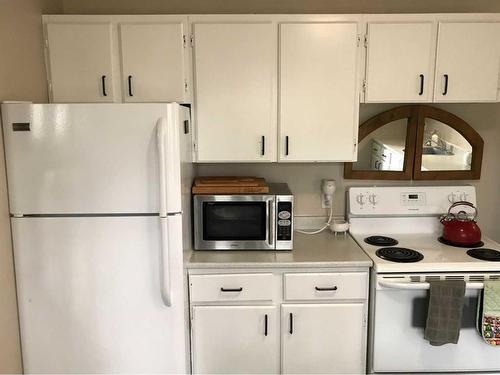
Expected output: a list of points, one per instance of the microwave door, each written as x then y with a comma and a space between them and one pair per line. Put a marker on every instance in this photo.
234, 222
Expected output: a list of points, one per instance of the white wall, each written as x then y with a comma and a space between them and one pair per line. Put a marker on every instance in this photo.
22, 77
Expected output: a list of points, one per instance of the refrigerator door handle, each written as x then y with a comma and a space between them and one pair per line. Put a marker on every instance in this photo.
161, 134
161, 130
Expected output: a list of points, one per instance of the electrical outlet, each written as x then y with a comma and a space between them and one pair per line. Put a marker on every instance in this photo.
327, 191
325, 201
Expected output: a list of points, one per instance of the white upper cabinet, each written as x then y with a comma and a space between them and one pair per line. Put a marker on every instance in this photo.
400, 62
319, 92
235, 91
468, 62
80, 62
153, 62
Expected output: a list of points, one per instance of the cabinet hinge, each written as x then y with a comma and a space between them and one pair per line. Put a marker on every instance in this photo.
185, 85
358, 40
191, 40
364, 85
46, 43
365, 319
366, 40
184, 43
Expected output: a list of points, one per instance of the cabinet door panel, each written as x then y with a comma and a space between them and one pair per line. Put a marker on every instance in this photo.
153, 55
323, 338
468, 57
79, 57
318, 91
234, 340
400, 62
235, 80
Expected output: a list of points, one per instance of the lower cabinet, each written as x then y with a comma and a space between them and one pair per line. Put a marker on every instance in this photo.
323, 338
235, 339
299, 323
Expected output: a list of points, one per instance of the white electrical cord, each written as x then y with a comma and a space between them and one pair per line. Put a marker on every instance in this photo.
327, 224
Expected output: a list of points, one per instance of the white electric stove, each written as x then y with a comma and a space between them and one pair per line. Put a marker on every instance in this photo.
399, 228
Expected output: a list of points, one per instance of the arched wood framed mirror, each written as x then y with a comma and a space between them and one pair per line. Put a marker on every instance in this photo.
447, 148
416, 142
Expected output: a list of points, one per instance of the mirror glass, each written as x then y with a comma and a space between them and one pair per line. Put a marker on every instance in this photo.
444, 149
383, 149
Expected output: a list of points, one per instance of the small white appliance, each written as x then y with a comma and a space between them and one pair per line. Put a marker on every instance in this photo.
399, 228
244, 221
99, 201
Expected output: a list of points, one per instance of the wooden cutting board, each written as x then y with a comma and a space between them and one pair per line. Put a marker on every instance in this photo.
229, 185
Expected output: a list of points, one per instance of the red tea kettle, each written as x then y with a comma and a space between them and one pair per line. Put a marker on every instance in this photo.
458, 228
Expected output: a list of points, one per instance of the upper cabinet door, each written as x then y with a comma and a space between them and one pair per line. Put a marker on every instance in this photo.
79, 56
400, 62
468, 62
153, 62
319, 95
235, 91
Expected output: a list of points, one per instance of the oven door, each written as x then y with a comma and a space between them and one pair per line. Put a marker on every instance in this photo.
234, 222
398, 344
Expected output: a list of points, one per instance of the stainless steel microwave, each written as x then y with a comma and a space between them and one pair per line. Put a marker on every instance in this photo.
244, 221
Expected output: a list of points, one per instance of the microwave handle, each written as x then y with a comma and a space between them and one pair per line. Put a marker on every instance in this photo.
420, 286
271, 221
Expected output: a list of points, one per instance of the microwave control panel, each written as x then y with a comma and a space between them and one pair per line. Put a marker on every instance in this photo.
284, 222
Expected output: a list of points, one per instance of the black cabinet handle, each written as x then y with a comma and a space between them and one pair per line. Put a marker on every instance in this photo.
231, 289
421, 84
130, 86
103, 81
328, 289
286, 145
445, 84
263, 146
265, 325
291, 324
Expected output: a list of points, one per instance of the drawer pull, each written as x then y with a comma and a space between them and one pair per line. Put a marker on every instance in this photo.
291, 324
265, 325
231, 289
327, 289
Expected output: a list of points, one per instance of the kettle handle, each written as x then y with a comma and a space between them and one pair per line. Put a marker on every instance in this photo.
464, 203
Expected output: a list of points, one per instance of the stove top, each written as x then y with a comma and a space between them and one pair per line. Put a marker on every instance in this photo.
381, 241
399, 254
437, 257
393, 224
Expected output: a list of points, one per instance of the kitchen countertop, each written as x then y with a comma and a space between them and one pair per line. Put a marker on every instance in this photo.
319, 250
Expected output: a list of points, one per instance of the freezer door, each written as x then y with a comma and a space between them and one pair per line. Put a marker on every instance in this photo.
91, 158
90, 299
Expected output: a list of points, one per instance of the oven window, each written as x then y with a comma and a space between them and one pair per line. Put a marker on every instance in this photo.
234, 221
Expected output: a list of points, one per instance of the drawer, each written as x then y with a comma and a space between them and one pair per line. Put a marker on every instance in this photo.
325, 286
231, 287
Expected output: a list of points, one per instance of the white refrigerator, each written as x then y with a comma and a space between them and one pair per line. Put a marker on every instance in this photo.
99, 200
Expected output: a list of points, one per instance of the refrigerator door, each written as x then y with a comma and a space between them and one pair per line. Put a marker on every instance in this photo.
90, 299
91, 158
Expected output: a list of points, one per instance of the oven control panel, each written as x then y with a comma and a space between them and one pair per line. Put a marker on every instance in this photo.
408, 200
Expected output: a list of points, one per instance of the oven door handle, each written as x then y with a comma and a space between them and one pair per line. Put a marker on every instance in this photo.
421, 286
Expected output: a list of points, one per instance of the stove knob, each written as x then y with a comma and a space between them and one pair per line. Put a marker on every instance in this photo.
360, 199
464, 196
372, 200
451, 198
